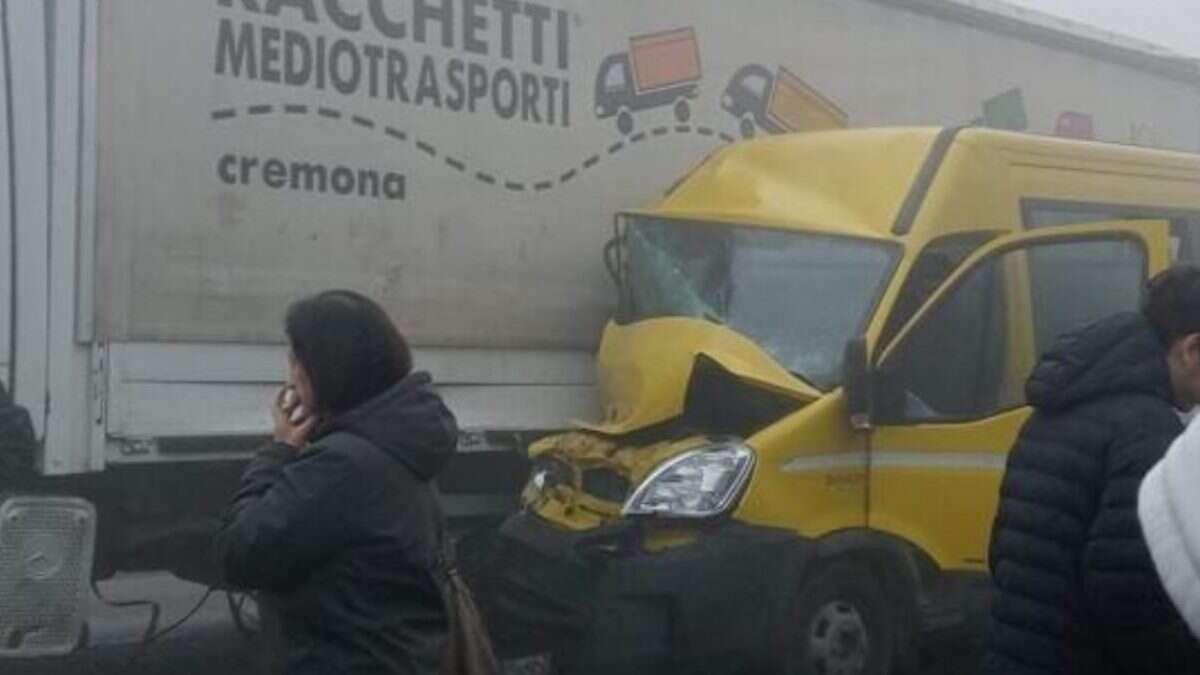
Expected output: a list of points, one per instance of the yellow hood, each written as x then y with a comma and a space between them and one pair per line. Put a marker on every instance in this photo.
644, 370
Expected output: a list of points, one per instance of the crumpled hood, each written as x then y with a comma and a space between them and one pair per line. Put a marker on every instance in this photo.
1121, 354
409, 421
644, 369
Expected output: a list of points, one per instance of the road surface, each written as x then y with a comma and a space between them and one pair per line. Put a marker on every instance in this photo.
208, 644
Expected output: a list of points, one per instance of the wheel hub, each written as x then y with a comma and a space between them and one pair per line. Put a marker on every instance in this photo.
838, 643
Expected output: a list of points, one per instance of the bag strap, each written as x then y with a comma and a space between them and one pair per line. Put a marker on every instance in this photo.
444, 563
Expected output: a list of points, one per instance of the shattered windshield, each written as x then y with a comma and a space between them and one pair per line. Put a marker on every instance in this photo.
798, 296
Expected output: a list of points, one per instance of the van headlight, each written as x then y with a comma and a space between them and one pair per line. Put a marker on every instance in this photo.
697, 484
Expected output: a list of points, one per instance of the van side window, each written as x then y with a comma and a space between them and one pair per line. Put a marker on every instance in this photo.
969, 358
1073, 286
1185, 225
935, 264
952, 363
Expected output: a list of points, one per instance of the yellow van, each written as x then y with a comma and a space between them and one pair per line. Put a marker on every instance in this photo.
814, 374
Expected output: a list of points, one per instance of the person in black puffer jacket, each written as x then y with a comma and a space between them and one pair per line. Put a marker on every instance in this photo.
17, 443
336, 522
1076, 590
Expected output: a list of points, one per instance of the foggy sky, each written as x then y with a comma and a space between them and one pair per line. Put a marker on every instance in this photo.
1170, 23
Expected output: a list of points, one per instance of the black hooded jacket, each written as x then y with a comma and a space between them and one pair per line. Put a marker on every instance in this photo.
1077, 591
343, 535
17, 443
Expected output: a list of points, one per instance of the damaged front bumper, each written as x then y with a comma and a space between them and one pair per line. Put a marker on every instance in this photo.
599, 604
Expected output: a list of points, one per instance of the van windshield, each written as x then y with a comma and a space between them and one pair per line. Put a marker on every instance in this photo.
798, 296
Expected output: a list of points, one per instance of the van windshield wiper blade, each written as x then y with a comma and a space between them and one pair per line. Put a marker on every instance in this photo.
804, 378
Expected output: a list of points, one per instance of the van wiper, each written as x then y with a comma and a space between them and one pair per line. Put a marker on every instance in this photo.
710, 316
804, 378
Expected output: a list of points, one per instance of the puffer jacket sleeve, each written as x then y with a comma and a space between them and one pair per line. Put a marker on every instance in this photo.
286, 519
1047, 499
1141, 628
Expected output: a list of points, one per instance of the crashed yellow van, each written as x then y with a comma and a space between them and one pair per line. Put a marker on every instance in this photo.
813, 377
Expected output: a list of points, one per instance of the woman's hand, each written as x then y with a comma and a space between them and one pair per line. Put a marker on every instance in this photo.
293, 424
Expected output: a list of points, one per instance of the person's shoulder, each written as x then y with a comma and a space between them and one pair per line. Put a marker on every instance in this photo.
329, 454
351, 452
1138, 410
1117, 409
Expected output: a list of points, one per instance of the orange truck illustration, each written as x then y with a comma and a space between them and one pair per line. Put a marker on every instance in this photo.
660, 69
778, 102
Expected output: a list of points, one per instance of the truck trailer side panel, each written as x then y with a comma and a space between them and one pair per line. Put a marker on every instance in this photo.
250, 154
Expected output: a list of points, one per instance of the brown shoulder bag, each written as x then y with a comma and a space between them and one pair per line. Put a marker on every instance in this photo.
468, 647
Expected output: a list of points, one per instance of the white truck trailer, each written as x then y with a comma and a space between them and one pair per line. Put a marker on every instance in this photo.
176, 171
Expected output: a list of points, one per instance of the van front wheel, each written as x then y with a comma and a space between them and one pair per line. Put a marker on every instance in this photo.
841, 624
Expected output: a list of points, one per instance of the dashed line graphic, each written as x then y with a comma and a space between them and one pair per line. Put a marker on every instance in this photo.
463, 166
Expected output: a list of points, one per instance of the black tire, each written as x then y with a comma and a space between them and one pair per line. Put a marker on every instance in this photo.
841, 624
747, 127
683, 110
625, 122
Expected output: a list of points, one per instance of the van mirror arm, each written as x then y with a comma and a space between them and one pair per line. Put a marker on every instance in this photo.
858, 383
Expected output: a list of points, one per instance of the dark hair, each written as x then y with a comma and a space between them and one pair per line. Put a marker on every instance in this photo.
1173, 303
349, 347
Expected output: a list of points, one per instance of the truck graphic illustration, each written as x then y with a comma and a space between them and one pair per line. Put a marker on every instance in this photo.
1005, 111
660, 69
778, 102
1075, 125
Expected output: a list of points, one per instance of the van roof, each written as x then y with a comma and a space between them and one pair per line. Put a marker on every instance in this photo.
834, 182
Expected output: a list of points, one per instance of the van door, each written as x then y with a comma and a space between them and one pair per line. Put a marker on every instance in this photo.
950, 390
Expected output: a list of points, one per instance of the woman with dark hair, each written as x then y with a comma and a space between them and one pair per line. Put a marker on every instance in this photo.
336, 522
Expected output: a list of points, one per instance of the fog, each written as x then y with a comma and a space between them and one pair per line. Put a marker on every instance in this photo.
1170, 23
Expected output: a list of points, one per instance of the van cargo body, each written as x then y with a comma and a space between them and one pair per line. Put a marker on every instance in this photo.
665, 59
177, 172
795, 106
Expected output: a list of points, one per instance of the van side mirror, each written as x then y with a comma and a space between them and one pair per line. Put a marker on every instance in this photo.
857, 383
